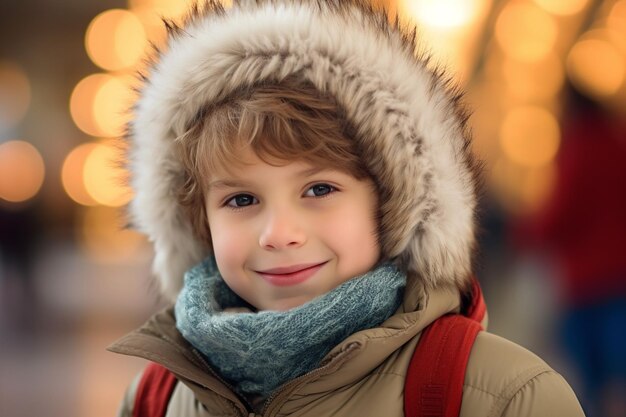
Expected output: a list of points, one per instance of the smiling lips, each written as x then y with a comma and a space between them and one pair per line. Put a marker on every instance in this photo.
290, 275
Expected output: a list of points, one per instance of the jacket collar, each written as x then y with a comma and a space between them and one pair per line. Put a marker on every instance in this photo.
159, 341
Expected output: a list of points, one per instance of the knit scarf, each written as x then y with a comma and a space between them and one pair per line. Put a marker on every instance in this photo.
257, 352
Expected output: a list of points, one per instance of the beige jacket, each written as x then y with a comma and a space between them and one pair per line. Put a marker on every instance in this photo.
363, 376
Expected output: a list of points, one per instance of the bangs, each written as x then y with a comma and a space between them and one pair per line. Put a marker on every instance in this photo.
280, 127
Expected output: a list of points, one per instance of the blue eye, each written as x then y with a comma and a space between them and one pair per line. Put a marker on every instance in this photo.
241, 200
320, 190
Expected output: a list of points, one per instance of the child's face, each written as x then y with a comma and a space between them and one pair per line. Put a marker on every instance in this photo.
316, 228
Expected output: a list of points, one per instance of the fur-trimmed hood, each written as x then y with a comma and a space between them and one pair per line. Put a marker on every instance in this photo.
407, 117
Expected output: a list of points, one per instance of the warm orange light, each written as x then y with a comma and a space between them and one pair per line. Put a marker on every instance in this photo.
539, 80
161, 5
450, 28
130, 39
104, 178
111, 103
152, 25
562, 7
616, 19
521, 189
171, 9
72, 174
506, 179
441, 13
537, 186
115, 39
616, 25
82, 103
450, 50
21, 171
486, 98
597, 67
14, 94
530, 136
100, 39
525, 32
103, 237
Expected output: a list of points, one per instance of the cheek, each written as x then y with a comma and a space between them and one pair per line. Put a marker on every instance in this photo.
228, 244
231, 250
353, 237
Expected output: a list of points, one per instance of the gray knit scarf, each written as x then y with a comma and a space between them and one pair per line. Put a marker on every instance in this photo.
257, 352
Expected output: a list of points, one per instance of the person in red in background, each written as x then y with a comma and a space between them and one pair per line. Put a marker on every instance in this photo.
583, 227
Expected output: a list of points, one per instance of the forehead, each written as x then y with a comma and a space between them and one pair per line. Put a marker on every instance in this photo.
241, 173
241, 166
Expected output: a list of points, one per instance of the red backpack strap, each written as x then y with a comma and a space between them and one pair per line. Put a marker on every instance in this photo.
154, 391
434, 381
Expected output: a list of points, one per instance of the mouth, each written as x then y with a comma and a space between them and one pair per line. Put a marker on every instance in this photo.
290, 275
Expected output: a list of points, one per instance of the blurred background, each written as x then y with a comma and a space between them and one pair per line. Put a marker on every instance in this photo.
546, 80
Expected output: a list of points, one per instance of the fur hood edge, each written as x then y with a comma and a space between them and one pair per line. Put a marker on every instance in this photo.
410, 121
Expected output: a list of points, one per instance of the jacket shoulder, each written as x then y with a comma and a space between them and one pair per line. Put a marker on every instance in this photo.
182, 402
505, 379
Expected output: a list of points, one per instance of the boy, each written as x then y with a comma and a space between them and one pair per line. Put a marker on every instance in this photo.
311, 180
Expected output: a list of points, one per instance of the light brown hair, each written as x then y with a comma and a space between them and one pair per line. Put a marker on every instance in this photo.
280, 123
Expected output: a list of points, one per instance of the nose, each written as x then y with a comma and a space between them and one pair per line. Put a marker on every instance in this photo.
281, 231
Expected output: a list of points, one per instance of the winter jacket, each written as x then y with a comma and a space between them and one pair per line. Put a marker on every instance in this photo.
362, 376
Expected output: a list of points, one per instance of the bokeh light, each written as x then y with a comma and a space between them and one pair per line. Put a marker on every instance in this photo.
82, 103
104, 178
537, 185
72, 174
530, 136
485, 99
450, 28
21, 171
525, 32
151, 12
103, 238
562, 7
152, 24
616, 19
596, 66
14, 94
521, 189
111, 103
616, 36
171, 9
507, 181
115, 39
99, 104
538, 80
441, 13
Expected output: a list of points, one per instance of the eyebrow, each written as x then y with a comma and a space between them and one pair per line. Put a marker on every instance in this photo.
234, 183
226, 184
